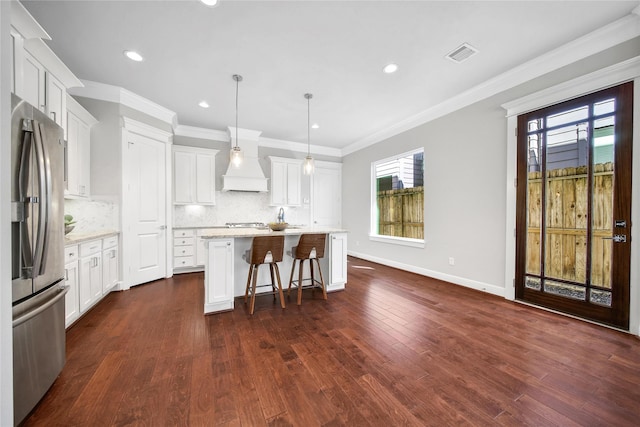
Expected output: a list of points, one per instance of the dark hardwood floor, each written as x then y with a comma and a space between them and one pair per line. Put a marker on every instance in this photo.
393, 349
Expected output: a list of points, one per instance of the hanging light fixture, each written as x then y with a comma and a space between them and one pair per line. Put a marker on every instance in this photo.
307, 166
236, 153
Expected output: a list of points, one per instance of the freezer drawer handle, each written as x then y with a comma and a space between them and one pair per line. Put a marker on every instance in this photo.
31, 314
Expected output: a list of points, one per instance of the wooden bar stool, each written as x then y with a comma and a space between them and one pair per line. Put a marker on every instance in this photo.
310, 247
264, 250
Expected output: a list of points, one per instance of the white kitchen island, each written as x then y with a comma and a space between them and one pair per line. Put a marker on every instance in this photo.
225, 271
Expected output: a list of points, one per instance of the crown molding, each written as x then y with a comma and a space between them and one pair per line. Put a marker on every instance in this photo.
201, 133
300, 147
25, 24
140, 128
597, 41
39, 49
601, 79
109, 93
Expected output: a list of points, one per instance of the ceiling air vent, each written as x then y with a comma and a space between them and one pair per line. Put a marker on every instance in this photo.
462, 53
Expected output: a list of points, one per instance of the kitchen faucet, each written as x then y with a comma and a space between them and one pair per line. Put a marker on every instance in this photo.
281, 215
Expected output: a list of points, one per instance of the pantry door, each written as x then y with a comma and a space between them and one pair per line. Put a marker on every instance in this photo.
145, 208
573, 224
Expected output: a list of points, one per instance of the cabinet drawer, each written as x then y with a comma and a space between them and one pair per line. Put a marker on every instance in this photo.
110, 242
183, 233
183, 251
183, 241
91, 247
183, 261
70, 254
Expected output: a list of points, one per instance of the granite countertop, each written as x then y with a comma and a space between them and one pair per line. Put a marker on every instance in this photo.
74, 238
253, 232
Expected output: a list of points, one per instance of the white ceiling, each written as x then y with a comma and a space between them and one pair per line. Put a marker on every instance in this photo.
333, 49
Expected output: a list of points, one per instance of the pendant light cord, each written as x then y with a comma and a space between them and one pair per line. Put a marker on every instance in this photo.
309, 126
237, 84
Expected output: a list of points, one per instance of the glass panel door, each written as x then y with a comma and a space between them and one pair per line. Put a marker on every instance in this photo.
574, 206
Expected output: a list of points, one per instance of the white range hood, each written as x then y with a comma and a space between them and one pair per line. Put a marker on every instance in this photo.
248, 176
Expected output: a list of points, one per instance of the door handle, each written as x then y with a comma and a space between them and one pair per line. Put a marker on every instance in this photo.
163, 227
617, 238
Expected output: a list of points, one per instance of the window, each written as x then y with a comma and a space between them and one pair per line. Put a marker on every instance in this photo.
397, 211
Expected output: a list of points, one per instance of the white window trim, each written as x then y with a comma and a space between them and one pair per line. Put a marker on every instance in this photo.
373, 221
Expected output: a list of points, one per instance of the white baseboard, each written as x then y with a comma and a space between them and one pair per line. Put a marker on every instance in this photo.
468, 283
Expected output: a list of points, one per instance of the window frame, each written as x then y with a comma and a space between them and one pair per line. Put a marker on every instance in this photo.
373, 219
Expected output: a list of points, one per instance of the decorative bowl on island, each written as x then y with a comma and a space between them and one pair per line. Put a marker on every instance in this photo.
278, 226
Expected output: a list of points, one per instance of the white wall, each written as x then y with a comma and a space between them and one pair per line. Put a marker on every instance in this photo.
6, 331
465, 180
464, 198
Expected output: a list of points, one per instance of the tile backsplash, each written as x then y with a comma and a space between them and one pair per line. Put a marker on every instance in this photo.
93, 215
236, 207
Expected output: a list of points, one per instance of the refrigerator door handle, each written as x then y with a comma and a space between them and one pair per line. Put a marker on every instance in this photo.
44, 192
25, 199
33, 313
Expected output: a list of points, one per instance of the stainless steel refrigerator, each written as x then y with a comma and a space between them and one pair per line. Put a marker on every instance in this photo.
37, 261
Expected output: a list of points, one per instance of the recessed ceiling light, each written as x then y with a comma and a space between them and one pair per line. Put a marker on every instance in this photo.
390, 68
133, 55
203, 104
315, 126
210, 3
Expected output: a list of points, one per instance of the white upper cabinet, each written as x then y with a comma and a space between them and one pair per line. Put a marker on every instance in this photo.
33, 86
55, 100
194, 175
326, 194
38, 75
286, 181
78, 150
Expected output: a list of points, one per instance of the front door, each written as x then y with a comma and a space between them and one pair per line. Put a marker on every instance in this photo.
573, 225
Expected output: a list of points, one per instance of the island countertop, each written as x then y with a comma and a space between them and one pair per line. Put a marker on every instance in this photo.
221, 233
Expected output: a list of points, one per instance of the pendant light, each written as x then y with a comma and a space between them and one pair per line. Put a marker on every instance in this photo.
307, 166
236, 153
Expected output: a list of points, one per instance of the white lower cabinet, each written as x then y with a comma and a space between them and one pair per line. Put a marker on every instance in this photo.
110, 269
90, 274
72, 298
219, 276
184, 250
338, 261
91, 271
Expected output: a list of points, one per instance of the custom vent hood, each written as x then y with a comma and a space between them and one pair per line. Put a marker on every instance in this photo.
248, 176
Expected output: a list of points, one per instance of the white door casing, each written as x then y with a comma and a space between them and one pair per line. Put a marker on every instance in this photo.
144, 210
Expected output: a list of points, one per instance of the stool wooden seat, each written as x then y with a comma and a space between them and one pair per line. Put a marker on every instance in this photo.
310, 247
264, 250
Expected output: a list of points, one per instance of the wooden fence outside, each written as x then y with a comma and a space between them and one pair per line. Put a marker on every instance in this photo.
401, 212
566, 224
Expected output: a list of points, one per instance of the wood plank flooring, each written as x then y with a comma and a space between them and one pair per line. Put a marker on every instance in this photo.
393, 349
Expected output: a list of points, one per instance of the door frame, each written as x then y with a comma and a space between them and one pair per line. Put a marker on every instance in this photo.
136, 127
625, 71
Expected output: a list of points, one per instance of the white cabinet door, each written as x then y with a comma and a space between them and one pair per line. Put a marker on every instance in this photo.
72, 298
194, 175
294, 178
183, 186
326, 195
109, 269
78, 152
90, 277
205, 179
55, 100
286, 181
338, 261
219, 276
278, 183
33, 86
